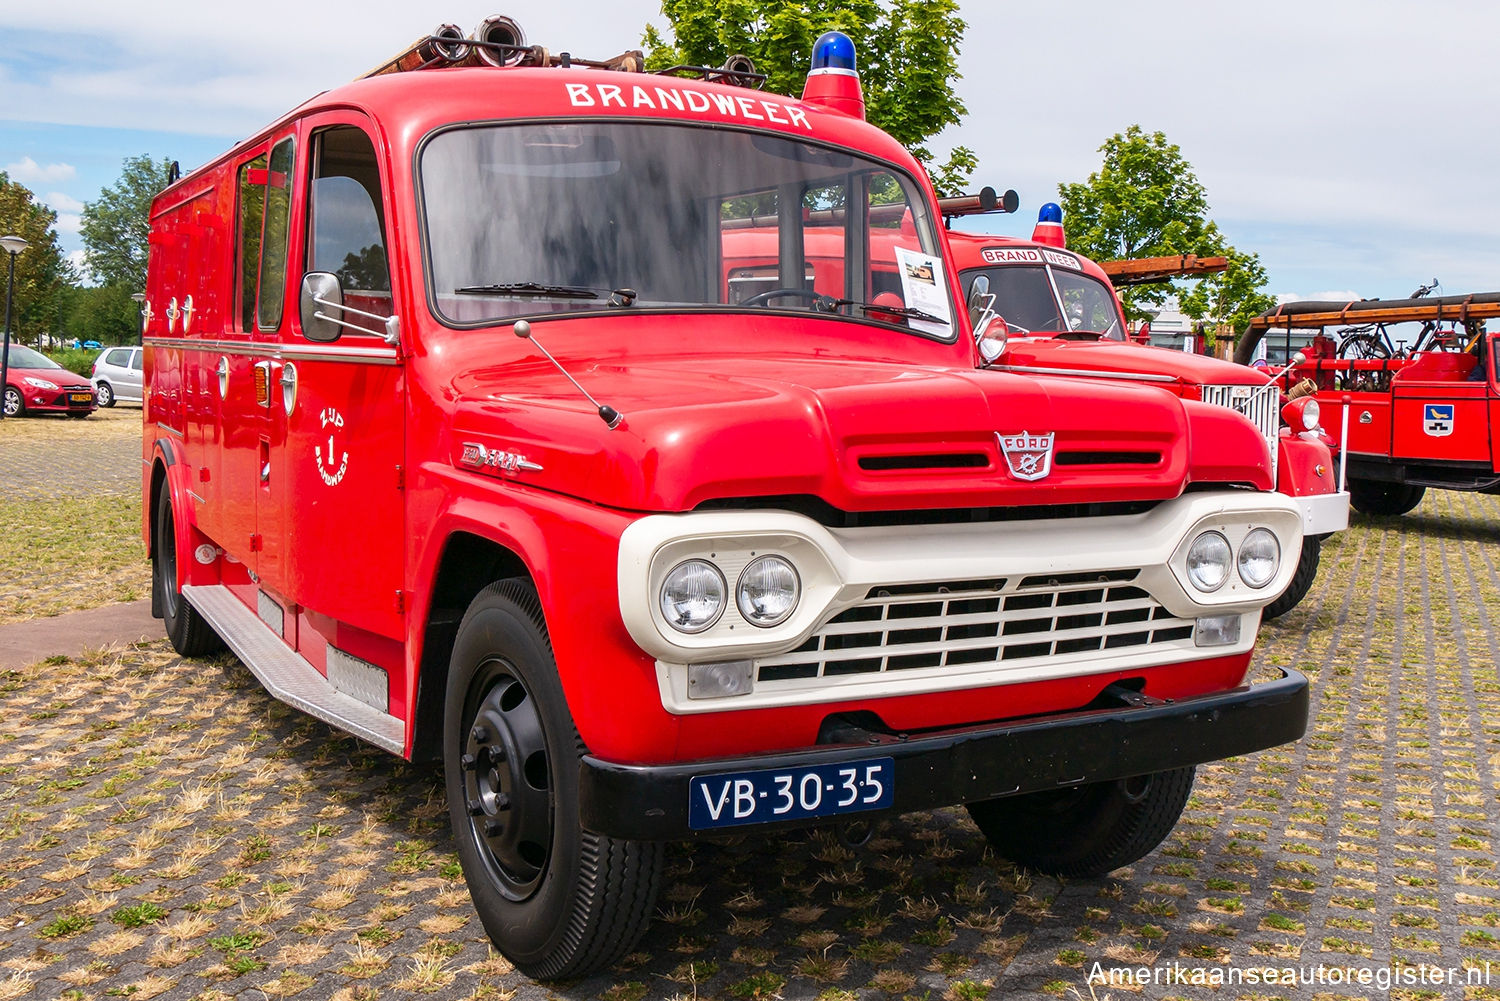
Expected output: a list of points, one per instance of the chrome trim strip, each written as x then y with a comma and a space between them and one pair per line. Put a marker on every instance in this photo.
171, 430
1089, 373
370, 355
195, 497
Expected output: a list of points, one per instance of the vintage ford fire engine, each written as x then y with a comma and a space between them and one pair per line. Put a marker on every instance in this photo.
1421, 413
461, 439
1059, 314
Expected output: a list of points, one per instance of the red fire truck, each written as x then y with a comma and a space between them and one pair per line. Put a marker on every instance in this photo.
1059, 314
458, 435
1420, 412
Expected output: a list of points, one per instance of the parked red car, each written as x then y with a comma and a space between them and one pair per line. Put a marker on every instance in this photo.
36, 383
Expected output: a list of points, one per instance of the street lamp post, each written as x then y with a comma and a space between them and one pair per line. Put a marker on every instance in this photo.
12, 245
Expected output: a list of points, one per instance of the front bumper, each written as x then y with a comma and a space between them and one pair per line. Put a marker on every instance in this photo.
1324, 513
1137, 736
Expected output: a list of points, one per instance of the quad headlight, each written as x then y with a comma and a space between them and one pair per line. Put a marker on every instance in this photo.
768, 591
1259, 557
1208, 561
693, 596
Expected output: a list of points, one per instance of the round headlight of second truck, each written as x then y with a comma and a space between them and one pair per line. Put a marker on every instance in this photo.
768, 591
692, 596
1208, 560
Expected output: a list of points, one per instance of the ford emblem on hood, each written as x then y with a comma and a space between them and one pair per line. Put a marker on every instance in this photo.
1029, 456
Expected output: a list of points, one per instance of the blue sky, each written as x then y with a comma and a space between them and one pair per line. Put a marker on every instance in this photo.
1348, 142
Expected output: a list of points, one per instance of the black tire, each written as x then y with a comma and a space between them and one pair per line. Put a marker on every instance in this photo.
1302, 579
557, 901
1088, 830
14, 405
1383, 497
190, 633
105, 394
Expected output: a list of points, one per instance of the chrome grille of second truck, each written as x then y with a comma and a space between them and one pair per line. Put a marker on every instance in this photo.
1262, 404
1011, 623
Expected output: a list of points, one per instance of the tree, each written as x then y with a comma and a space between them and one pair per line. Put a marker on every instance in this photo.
908, 58
116, 225
103, 313
1145, 201
41, 270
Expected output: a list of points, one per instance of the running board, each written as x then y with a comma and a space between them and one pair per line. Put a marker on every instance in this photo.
286, 674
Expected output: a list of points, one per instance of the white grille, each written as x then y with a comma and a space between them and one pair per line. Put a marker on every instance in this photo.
944, 625
1262, 404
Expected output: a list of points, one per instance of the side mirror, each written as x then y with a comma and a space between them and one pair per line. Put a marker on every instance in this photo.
1143, 333
980, 300
321, 306
992, 335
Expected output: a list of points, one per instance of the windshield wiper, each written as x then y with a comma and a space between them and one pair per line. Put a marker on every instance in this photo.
830, 304
617, 296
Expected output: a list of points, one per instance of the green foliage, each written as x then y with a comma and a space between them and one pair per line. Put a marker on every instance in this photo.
1145, 201
40, 269
79, 361
103, 313
116, 224
907, 51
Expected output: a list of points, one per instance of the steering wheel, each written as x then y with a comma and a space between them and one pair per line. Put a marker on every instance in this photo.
764, 298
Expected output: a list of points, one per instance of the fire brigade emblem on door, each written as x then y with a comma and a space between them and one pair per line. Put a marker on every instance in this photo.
330, 466
1029, 456
1437, 419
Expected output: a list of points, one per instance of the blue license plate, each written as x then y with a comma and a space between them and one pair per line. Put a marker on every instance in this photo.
732, 799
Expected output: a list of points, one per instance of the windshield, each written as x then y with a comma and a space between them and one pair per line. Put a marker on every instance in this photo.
543, 218
20, 357
1042, 299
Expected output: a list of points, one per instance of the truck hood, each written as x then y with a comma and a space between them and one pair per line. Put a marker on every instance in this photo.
861, 436
1128, 359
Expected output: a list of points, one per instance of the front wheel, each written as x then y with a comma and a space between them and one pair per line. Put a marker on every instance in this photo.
105, 394
190, 633
13, 405
1088, 830
1383, 496
558, 901
1302, 579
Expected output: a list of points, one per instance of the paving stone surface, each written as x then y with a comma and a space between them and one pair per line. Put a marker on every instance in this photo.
49, 456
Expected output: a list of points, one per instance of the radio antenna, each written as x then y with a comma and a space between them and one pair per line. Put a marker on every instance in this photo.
609, 415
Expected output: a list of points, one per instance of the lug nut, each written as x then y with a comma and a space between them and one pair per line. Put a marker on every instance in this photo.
468, 762
502, 801
479, 735
495, 753
492, 828
476, 808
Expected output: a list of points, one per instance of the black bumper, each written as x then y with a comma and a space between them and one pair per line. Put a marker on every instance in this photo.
942, 768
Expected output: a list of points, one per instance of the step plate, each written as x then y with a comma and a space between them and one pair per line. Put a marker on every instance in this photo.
286, 674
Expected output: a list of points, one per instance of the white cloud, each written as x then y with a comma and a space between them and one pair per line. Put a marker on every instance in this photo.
69, 222
28, 171
62, 203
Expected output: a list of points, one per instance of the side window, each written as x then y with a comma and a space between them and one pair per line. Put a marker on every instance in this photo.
345, 218
119, 357
251, 186
135, 359
272, 294
824, 222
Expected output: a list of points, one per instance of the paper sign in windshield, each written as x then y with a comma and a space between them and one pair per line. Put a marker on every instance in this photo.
924, 287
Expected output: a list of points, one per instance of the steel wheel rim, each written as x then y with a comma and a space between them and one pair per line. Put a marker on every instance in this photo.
105, 395
507, 780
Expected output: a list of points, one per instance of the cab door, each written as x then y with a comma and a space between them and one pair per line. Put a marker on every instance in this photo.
339, 411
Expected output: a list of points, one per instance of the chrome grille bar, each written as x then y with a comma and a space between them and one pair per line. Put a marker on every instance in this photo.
1262, 404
